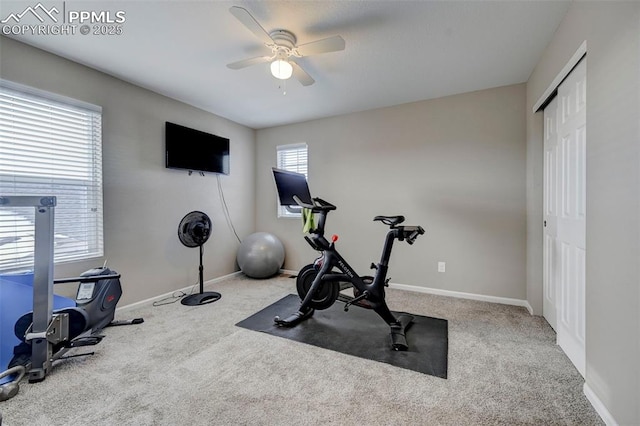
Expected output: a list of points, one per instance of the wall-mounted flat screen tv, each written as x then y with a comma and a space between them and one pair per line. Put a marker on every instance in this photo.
191, 149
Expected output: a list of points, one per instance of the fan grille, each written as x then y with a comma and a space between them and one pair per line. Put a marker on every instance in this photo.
194, 229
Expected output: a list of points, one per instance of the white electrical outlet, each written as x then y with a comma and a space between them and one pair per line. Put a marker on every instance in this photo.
442, 267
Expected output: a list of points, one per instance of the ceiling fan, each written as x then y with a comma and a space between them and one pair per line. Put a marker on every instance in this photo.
284, 51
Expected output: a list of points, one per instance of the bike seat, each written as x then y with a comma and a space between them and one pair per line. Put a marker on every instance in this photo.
390, 220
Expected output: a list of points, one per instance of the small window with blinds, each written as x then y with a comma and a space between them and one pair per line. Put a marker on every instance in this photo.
293, 158
50, 146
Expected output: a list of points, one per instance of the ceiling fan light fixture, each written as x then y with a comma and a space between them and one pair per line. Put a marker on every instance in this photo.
281, 69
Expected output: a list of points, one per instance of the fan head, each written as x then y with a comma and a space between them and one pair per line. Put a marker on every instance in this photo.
194, 229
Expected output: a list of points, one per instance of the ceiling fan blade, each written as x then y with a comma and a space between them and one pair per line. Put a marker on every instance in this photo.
301, 75
331, 44
248, 62
250, 22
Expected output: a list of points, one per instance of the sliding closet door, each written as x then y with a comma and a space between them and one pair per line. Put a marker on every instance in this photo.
565, 216
550, 209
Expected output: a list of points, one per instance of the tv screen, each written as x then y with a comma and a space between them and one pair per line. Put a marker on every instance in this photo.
289, 184
192, 149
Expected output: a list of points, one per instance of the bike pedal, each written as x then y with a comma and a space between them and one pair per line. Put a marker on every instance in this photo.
86, 341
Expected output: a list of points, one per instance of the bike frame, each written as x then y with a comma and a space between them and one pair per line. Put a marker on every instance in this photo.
332, 259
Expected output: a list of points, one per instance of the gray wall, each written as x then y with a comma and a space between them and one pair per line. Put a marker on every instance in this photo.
143, 201
454, 165
612, 32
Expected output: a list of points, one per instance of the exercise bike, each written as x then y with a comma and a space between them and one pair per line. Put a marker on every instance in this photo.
319, 285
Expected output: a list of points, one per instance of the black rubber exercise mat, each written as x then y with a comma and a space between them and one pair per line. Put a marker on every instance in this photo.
360, 332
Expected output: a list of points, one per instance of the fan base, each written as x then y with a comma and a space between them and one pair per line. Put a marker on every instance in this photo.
201, 298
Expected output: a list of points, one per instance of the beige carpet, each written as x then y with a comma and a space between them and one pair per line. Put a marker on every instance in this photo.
192, 366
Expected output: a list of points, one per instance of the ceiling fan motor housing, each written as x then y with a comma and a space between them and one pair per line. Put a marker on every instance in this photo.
283, 38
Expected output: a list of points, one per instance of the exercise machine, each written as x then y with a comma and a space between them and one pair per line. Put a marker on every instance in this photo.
320, 284
46, 335
98, 293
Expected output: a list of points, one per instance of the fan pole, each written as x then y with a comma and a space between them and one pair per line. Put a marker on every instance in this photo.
203, 297
200, 272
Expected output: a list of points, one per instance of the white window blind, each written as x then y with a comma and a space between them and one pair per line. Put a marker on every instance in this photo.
50, 145
293, 158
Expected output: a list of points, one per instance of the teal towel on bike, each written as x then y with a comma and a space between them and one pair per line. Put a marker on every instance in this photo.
308, 220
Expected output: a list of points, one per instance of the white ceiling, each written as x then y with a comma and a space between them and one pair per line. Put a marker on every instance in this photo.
396, 51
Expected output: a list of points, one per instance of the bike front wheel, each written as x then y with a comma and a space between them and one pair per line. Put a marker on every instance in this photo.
324, 297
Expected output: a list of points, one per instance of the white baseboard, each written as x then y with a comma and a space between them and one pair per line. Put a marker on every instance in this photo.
461, 295
169, 294
472, 296
606, 416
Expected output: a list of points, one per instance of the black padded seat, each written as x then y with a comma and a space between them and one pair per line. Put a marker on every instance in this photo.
390, 220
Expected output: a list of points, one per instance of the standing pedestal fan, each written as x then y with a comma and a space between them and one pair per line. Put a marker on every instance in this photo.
194, 230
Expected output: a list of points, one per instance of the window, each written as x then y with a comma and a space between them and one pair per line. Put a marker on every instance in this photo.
293, 158
50, 145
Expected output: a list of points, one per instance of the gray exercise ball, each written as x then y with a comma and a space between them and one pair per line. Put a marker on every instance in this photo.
260, 255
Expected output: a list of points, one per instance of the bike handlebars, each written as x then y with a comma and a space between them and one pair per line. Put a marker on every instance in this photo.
414, 232
319, 205
403, 233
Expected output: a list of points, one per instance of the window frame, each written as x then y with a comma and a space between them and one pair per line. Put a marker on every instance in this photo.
84, 186
286, 211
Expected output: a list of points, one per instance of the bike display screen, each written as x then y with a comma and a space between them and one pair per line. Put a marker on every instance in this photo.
290, 184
